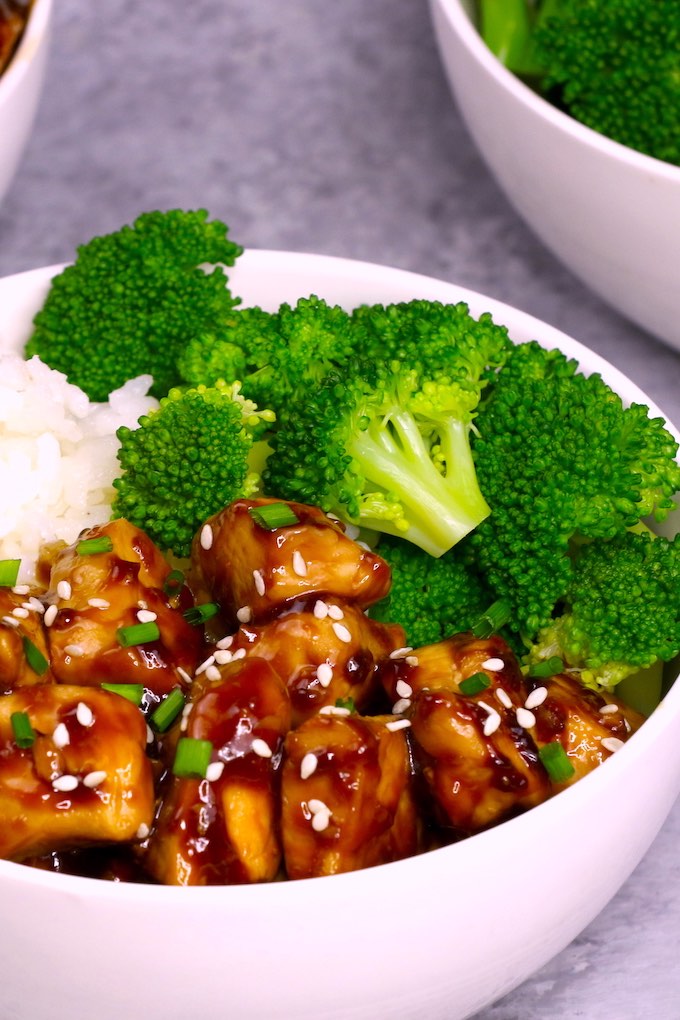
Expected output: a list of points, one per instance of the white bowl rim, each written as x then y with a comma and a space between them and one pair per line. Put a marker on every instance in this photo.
462, 24
36, 26
397, 873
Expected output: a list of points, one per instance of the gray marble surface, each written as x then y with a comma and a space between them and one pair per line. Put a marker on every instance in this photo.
325, 127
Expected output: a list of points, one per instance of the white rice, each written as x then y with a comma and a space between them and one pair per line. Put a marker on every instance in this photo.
57, 455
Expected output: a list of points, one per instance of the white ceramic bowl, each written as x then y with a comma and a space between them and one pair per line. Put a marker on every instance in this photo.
20, 88
610, 214
436, 936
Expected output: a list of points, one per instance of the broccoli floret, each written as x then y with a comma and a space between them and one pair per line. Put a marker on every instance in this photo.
134, 299
238, 347
432, 598
559, 459
186, 460
614, 65
621, 612
385, 443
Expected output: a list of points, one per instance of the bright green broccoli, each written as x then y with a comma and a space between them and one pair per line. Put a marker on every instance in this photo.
237, 348
621, 612
201, 449
385, 442
614, 65
134, 299
560, 459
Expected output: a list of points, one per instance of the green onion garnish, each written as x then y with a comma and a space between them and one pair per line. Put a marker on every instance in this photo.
34, 657
168, 710
199, 614
496, 616
138, 634
92, 546
556, 762
347, 703
474, 684
173, 582
24, 734
548, 667
273, 515
9, 572
192, 757
133, 692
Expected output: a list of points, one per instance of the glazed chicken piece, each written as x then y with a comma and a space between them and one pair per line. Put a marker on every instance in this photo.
251, 571
347, 798
96, 594
324, 650
22, 631
224, 828
590, 726
85, 779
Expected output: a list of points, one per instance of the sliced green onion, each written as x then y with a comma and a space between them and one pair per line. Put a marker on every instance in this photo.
138, 634
9, 572
548, 667
34, 657
92, 546
474, 684
199, 614
273, 515
24, 734
173, 582
556, 762
347, 703
496, 616
192, 757
168, 710
133, 692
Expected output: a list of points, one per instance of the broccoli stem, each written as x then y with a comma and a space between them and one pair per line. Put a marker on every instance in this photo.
439, 509
505, 27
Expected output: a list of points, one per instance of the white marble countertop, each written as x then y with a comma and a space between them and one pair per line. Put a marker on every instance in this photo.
329, 127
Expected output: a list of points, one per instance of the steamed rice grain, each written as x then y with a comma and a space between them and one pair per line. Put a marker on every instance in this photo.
57, 455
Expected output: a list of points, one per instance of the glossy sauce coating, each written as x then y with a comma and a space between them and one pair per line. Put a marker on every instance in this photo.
20, 618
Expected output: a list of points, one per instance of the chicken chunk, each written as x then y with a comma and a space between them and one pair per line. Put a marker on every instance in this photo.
324, 650
85, 778
589, 726
224, 828
252, 571
22, 632
347, 797
98, 593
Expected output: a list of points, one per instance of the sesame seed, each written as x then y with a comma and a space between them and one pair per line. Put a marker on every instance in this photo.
403, 689
398, 724
494, 664
64, 590
399, 653
411, 660
150, 736
492, 721
400, 706
320, 610
324, 674
607, 709
536, 698
103, 604
50, 615
61, 736
84, 714
240, 653
64, 784
212, 673
334, 710
20, 613
146, 616
226, 642
503, 697
206, 537
223, 656
21, 589
335, 612
316, 806
244, 614
525, 718
143, 831
341, 632
321, 820
205, 665
184, 675
308, 765
352, 531
299, 564
93, 779
258, 578
74, 650
186, 712
612, 744
261, 748
34, 605
214, 771
11, 621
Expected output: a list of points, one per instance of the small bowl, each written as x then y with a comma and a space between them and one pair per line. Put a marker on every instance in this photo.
609, 213
440, 935
20, 88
